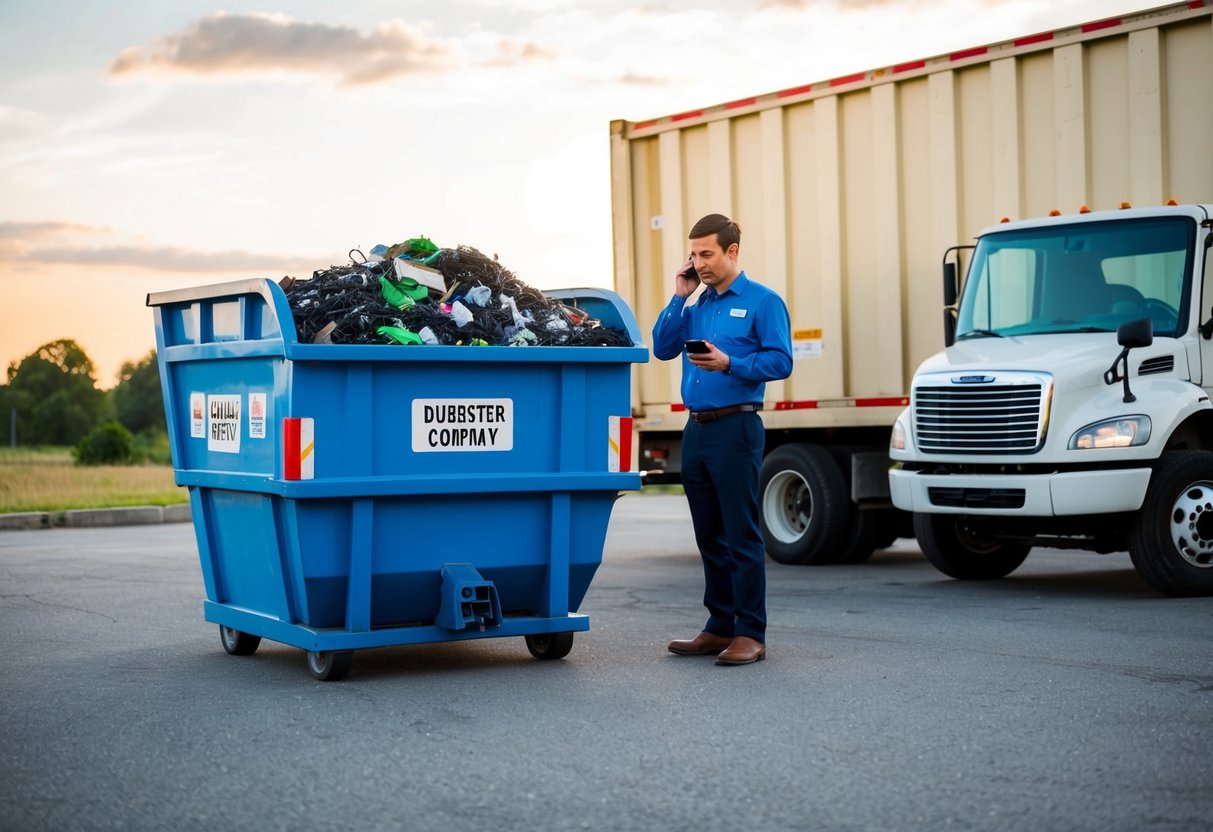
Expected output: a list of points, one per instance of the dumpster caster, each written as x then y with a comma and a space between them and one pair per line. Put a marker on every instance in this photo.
550, 645
330, 666
238, 643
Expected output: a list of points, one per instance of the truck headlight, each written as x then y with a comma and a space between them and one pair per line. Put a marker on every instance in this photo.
1121, 432
898, 440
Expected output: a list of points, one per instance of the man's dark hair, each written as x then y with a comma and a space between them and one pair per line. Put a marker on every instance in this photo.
727, 232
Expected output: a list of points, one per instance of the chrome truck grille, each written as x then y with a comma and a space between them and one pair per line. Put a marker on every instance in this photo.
976, 413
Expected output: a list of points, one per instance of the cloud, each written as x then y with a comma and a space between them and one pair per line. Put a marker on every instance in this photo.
59, 243
223, 44
513, 51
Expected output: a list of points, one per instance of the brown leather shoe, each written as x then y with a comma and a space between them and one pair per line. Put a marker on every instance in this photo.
704, 644
743, 650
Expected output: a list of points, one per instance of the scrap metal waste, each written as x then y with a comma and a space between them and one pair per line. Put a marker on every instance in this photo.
417, 293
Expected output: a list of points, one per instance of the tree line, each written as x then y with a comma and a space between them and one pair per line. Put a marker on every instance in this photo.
51, 398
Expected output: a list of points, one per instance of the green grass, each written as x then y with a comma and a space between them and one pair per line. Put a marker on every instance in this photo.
47, 479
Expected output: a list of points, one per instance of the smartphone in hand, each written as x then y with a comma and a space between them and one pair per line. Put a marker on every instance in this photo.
689, 273
697, 346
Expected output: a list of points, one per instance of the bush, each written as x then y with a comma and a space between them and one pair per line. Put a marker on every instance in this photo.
108, 444
150, 446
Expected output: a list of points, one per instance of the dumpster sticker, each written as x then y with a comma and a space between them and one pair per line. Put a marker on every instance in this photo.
256, 415
806, 343
619, 457
198, 415
463, 425
223, 424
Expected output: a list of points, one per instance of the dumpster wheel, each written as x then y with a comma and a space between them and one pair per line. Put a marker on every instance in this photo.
330, 666
238, 643
550, 645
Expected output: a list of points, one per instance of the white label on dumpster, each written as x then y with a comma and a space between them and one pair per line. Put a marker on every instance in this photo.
463, 425
256, 415
223, 424
198, 415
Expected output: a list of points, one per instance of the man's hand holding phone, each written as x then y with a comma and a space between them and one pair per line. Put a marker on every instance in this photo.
687, 279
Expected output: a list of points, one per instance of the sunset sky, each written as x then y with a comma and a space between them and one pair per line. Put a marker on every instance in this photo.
146, 146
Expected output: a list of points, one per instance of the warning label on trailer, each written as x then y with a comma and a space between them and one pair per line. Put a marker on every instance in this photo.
223, 424
463, 425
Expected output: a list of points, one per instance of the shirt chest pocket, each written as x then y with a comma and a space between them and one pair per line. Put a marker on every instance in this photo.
734, 331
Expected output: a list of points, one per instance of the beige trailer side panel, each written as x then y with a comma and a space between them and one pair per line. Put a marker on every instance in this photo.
849, 191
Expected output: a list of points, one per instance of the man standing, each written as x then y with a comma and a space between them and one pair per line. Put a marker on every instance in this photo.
746, 334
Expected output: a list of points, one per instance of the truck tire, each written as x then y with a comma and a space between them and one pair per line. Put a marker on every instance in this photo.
804, 505
1172, 541
953, 548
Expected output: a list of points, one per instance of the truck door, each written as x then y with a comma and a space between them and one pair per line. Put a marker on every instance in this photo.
1203, 371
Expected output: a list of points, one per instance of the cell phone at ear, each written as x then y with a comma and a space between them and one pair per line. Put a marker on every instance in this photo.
697, 346
689, 273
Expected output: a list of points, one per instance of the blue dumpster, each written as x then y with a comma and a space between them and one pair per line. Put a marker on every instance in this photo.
355, 496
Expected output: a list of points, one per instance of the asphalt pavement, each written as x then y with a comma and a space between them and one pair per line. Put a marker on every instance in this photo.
1069, 696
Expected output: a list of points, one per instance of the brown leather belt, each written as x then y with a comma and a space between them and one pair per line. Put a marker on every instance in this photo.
702, 417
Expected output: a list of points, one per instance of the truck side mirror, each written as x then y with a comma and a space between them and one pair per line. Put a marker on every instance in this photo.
1132, 334
949, 284
1129, 335
949, 326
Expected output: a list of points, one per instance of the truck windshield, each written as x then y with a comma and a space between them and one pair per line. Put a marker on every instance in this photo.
1079, 278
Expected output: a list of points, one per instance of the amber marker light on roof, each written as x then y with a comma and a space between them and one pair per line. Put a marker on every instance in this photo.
1084, 208
1005, 219
1172, 201
1055, 213
1125, 205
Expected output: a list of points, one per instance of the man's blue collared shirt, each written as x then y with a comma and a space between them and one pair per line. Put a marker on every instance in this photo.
748, 322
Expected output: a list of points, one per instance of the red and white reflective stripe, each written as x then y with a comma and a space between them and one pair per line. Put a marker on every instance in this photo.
888, 401
619, 457
298, 446
814, 404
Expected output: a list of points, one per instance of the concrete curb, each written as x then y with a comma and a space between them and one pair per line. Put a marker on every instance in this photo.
91, 518
25, 520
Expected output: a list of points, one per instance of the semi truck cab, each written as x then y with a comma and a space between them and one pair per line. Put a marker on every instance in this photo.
1070, 407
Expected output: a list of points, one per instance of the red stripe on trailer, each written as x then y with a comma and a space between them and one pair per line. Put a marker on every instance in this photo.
794, 91
1196, 4
910, 66
795, 405
678, 407
848, 79
968, 53
745, 102
1103, 24
625, 443
642, 125
1031, 39
290, 448
686, 115
894, 401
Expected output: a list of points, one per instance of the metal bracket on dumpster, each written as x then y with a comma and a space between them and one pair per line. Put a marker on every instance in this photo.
467, 599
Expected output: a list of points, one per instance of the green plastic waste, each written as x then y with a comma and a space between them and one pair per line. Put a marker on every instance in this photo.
399, 335
395, 298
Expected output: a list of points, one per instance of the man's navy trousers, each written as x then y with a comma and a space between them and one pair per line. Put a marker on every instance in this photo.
720, 468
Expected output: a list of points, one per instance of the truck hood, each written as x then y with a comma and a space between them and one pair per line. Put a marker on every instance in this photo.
1075, 360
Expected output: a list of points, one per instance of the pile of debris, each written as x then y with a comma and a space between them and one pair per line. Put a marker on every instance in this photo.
417, 293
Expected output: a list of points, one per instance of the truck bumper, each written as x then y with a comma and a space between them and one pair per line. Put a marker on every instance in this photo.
1042, 495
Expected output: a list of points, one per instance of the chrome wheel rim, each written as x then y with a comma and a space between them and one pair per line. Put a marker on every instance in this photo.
1192, 524
787, 506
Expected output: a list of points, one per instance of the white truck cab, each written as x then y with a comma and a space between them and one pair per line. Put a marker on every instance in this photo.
1070, 407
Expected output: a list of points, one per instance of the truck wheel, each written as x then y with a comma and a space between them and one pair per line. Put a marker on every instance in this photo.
804, 505
238, 643
956, 550
1172, 542
330, 666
